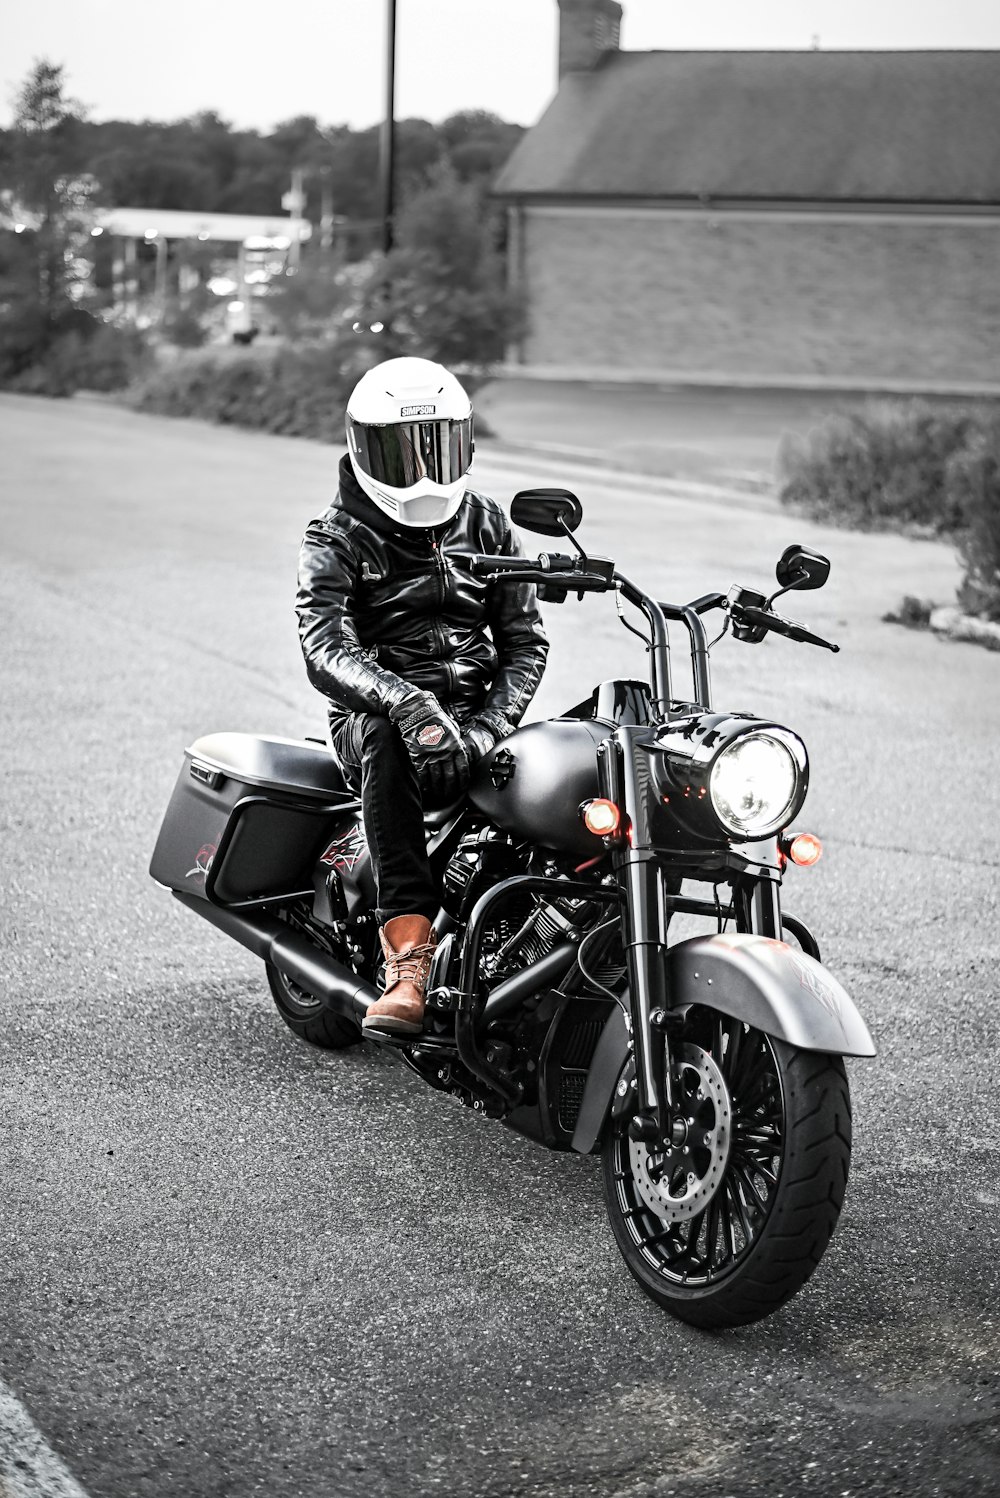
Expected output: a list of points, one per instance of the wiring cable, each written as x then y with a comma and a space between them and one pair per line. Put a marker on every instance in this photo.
646, 639
588, 977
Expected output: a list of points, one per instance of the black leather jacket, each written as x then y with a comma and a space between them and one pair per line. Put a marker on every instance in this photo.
383, 608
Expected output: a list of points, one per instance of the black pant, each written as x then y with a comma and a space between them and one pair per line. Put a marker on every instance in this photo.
373, 756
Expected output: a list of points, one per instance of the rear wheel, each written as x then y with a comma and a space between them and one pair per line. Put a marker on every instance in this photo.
309, 1017
726, 1224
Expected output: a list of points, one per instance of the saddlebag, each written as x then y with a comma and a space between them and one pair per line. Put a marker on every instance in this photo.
249, 818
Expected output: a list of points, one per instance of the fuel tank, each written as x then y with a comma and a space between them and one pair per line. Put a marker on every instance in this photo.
532, 783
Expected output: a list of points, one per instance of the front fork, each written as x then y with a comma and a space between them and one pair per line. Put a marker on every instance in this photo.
625, 779
757, 906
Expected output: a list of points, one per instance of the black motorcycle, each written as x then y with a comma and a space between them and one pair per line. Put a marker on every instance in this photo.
707, 1072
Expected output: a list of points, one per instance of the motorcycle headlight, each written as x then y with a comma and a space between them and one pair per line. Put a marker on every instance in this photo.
757, 784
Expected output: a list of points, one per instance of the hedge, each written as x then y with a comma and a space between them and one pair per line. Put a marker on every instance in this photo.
59, 354
910, 466
974, 483
297, 391
879, 469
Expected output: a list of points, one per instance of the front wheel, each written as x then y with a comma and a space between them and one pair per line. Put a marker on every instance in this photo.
729, 1221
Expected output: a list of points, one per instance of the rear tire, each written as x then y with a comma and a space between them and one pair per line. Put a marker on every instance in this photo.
309, 1017
758, 1238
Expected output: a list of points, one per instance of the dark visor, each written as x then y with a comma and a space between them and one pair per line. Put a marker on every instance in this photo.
401, 454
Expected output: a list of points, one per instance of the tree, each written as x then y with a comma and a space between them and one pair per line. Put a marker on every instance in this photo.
314, 303
478, 143
48, 186
445, 283
43, 273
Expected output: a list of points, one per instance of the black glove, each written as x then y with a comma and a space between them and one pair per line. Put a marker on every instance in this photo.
482, 733
434, 744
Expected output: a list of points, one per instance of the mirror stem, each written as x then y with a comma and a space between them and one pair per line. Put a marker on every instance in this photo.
800, 577
571, 538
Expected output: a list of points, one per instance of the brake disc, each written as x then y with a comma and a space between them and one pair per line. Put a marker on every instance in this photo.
680, 1181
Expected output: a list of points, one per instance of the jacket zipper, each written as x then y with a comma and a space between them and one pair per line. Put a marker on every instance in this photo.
439, 563
441, 575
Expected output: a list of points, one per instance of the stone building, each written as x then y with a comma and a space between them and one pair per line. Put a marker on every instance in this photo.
814, 218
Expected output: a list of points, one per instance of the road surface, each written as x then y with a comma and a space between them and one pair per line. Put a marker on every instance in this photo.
234, 1266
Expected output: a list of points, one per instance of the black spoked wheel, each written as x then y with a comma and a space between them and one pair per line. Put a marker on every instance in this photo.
729, 1221
309, 1016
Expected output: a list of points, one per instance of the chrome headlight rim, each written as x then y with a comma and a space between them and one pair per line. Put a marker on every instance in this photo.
796, 751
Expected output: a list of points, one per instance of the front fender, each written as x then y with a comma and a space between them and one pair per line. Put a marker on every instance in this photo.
765, 983
769, 985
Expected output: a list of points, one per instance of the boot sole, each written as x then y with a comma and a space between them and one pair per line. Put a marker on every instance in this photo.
394, 1026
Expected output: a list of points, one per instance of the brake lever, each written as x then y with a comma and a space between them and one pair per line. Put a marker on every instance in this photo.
806, 637
778, 625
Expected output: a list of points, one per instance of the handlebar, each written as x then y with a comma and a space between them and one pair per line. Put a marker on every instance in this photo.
579, 574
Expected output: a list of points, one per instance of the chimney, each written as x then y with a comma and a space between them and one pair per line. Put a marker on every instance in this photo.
587, 29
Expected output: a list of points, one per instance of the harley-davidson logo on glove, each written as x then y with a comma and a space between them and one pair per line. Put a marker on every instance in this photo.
431, 735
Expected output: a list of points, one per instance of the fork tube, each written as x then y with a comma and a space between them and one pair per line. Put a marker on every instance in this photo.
625, 779
758, 907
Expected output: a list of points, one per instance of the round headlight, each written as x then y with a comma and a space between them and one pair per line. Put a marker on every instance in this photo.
758, 784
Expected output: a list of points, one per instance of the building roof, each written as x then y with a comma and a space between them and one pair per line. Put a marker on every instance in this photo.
172, 223
916, 127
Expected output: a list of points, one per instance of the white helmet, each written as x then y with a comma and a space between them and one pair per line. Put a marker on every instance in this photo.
409, 434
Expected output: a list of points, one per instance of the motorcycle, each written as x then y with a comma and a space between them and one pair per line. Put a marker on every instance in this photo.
707, 1072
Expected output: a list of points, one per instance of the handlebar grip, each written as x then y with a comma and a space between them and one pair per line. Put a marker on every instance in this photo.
749, 614
482, 563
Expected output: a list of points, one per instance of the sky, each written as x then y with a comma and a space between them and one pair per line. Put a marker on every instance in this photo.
256, 62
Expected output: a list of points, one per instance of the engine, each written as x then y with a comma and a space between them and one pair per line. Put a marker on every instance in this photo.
525, 926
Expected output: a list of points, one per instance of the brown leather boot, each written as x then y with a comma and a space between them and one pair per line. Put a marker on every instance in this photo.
408, 944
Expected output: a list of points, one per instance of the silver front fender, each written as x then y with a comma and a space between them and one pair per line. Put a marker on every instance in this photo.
769, 985
765, 983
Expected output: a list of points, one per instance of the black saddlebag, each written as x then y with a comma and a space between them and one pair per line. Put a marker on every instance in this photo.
249, 818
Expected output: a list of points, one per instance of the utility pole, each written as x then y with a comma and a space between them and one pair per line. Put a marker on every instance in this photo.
326, 210
295, 202
388, 141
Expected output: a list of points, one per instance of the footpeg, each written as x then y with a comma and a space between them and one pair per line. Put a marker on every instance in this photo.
424, 1040
448, 1000
393, 1037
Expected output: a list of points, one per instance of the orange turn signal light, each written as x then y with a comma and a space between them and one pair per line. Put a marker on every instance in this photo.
805, 849
601, 817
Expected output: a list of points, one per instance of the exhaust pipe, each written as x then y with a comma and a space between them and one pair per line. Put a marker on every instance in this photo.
544, 973
291, 953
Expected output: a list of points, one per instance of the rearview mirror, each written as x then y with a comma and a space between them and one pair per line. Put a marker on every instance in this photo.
550, 512
798, 567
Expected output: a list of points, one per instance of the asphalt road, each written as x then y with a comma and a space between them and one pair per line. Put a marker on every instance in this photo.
233, 1266
695, 434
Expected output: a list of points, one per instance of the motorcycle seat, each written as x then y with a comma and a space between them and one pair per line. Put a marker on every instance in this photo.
438, 816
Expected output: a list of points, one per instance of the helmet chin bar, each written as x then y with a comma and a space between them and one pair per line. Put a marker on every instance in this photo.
422, 506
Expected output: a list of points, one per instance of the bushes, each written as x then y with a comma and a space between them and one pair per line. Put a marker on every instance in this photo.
295, 391
58, 355
932, 470
881, 469
974, 481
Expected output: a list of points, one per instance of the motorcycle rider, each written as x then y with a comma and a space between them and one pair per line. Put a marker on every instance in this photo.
424, 666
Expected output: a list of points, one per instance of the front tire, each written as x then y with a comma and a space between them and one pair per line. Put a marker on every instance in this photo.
309, 1017
726, 1230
